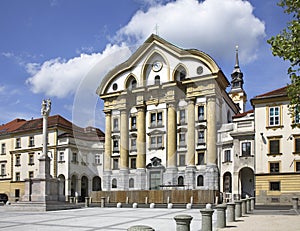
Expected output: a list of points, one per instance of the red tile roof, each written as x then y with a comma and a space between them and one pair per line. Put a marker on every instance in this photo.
278, 92
240, 115
21, 125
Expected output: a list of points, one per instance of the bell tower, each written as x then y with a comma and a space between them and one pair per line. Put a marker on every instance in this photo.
237, 93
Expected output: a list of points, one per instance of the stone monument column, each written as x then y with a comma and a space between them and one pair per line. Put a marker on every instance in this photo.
124, 158
171, 171
107, 152
141, 148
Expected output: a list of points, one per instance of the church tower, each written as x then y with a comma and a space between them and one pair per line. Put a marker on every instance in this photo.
237, 93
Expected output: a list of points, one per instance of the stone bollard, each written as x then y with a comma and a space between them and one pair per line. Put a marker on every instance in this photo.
207, 218
140, 228
87, 202
146, 200
231, 211
134, 205
183, 222
168, 200
221, 215
108, 199
71, 199
252, 204
243, 206
188, 206
119, 205
152, 205
170, 206
295, 202
127, 200
248, 205
102, 202
238, 208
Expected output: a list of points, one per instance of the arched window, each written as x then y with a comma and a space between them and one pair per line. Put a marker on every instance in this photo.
157, 80
200, 181
114, 183
133, 84
180, 181
131, 183
96, 183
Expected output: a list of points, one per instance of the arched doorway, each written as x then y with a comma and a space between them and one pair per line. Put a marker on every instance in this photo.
227, 182
247, 182
61, 187
96, 183
84, 187
73, 185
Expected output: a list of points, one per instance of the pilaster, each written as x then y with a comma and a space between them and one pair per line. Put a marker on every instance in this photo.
141, 138
124, 140
190, 157
107, 151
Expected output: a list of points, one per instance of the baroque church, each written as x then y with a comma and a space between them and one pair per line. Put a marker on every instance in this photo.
163, 109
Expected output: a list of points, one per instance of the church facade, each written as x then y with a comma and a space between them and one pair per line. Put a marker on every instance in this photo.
163, 108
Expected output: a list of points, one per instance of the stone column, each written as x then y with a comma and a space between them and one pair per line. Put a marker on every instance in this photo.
248, 205
107, 151
231, 212
206, 218
190, 157
211, 138
295, 202
141, 149
252, 203
102, 202
172, 136
238, 208
183, 222
221, 215
124, 159
171, 171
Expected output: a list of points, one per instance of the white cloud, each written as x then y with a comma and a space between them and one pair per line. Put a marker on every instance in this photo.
213, 26
60, 78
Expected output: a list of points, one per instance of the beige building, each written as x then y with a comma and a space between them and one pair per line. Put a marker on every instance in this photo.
277, 164
76, 156
163, 108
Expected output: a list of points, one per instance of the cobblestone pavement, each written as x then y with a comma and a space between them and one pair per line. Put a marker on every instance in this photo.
88, 219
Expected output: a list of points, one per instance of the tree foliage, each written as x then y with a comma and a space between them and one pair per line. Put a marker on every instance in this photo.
287, 46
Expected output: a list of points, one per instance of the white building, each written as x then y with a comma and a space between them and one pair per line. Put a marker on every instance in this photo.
76, 156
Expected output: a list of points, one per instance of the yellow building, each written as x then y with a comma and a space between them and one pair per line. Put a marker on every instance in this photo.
163, 107
277, 163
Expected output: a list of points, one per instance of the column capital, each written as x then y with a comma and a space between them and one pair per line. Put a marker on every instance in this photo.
191, 100
107, 111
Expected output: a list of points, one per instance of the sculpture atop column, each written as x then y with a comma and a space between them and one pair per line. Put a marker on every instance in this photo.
45, 111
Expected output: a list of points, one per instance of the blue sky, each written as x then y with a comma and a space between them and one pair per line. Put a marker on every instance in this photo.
60, 49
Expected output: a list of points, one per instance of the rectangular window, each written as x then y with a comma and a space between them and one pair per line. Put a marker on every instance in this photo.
61, 156
133, 163
274, 147
182, 139
182, 160
182, 116
31, 159
18, 160
274, 167
201, 137
3, 148
200, 158
115, 164
133, 122
246, 148
275, 186
74, 157
156, 142
297, 144
115, 145
31, 141
274, 116
297, 115
30, 175
156, 119
133, 144
297, 166
3, 171
18, 142
17, 175
200, 113
98, 159
115, 124
227, 155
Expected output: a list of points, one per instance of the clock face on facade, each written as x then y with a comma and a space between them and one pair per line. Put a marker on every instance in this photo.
157, 65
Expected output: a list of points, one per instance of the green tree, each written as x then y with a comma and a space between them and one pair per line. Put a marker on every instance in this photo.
287, 46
